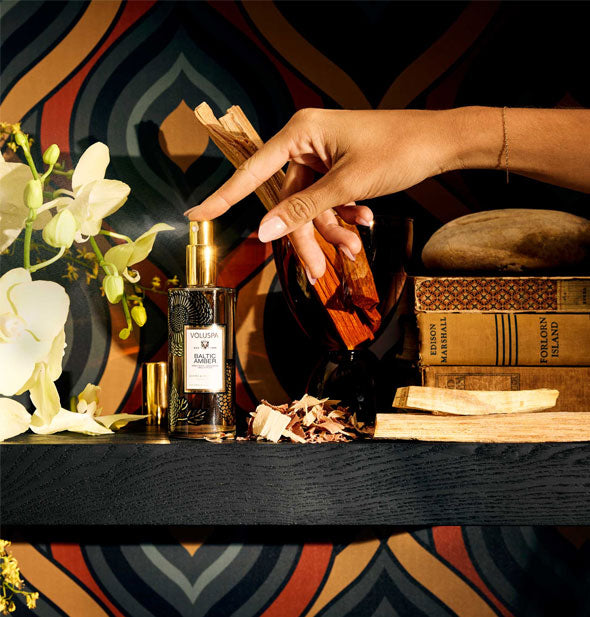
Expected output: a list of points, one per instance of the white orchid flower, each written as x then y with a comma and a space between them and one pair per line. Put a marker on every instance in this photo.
89, 405
92, 197
13, 211
124, 255
14, 418
32, 337
66, 420
88, 401
75, 422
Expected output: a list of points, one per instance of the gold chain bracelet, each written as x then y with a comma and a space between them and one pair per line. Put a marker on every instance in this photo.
505, 144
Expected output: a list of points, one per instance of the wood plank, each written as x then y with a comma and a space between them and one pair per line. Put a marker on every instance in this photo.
560, 426
474, 402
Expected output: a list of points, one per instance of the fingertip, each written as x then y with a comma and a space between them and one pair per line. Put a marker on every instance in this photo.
192, 213
271, 229
364, 215
353, 214
312, 280
352, 241
347, 252
316, 267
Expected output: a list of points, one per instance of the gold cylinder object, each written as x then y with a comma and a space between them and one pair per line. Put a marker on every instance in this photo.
201, 260
155, 391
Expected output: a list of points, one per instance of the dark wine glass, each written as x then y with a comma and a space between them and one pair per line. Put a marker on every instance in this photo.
363, 378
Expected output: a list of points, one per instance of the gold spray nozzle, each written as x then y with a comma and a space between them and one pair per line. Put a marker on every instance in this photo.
201, 265
201, 233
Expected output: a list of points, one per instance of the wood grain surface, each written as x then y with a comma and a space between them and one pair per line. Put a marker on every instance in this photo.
134, 479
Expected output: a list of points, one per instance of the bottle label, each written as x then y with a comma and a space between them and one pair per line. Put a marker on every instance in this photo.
204, 359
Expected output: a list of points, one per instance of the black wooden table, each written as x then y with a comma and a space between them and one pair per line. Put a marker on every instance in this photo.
141, 478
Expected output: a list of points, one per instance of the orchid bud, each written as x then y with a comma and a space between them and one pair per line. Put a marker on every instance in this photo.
51, 155
124, 334
33, 195
139, 315
60, 230
21, 139
114, 287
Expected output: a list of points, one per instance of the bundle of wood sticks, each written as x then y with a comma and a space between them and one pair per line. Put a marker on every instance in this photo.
440, 414
347, 289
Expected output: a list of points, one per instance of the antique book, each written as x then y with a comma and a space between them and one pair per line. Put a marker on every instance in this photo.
473, 402
516, 428
501, 339
573, 382
515, 294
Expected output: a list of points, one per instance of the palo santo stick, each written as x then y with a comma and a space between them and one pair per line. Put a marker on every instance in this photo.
238, 140
473, 402
358, 283
240, 118
517, 428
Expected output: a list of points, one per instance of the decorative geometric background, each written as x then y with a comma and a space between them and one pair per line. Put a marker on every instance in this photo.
128, 73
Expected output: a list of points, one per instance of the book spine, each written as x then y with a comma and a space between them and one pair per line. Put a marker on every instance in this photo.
573, 383
500, 339
502, 294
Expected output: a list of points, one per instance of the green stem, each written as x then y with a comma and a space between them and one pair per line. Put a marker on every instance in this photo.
59, 172
28, 234
107, 267
113, 234
44, 264
104, 265
47, 173
127, 313
30, 162
97, 251
84, 264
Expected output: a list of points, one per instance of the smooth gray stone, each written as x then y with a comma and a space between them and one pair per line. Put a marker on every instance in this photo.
511, 240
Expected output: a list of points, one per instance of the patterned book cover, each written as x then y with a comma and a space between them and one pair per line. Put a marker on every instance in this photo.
503, 294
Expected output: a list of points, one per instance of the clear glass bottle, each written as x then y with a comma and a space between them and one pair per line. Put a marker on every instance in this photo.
201, 345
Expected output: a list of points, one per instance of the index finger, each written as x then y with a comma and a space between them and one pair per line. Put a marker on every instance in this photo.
254, 172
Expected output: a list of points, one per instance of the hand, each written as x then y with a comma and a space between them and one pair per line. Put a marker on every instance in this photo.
358, 154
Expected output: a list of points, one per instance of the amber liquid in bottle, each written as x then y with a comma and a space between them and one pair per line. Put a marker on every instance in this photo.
201, 350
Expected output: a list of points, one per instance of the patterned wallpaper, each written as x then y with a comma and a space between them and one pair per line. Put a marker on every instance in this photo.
128, 73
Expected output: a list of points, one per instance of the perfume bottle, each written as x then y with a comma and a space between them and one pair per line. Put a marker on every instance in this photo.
201, 345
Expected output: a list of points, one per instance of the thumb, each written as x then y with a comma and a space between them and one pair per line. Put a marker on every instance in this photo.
301, 207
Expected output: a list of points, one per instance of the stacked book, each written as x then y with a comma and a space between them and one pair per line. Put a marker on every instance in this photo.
506, 333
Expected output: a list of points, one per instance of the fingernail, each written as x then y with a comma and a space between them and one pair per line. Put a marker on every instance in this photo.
309, 277
187, 212
364, 222
344, 249
271, 229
